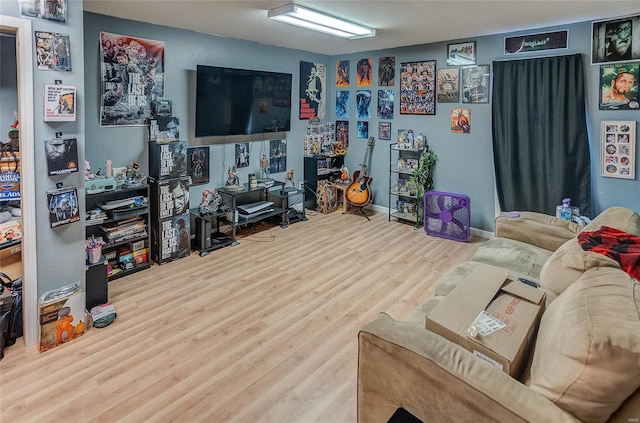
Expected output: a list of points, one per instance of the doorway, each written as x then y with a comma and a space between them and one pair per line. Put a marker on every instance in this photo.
20, 31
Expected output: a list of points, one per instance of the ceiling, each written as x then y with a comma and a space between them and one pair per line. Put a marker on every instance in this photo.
399, 23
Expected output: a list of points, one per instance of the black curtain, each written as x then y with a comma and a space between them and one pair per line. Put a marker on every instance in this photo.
540, 141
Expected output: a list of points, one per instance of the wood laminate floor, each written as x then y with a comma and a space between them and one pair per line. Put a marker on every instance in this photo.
265, 331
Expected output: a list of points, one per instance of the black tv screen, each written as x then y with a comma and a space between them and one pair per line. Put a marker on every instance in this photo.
241, 101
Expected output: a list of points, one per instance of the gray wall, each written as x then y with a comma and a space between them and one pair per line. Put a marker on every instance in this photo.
466, 160
184, 50
61, 256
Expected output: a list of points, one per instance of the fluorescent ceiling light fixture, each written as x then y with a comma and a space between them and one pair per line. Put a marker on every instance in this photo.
307, 18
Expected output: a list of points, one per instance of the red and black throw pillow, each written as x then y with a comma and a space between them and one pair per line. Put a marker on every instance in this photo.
618, 245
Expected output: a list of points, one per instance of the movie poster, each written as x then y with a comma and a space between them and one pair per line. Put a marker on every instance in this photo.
278, 156
132, 79
342, 73
174, 239
312, 94
461, 120
63, 206
363, 104
342, 104
59, 103
198, 164
53, 51
386, 101
387, 71
62, 155
364, 69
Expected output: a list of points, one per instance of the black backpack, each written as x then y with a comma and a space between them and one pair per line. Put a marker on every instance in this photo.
10, 311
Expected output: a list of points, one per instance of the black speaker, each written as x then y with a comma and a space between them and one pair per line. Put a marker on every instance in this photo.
203, 234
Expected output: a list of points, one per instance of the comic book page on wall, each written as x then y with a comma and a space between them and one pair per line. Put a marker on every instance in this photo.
132, 75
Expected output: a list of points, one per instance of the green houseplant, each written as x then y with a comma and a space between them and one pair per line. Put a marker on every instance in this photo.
421, 180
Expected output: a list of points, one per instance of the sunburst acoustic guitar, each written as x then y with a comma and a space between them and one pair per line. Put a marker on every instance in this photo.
359, 192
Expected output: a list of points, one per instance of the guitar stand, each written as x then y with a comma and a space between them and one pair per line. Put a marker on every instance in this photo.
355, 209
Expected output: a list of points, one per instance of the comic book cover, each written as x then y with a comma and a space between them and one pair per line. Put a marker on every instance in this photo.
386, 101
59, 103
62, 155
53, 51
198, 164
342, 73
167, 160
387, 71
63, 206
172, 239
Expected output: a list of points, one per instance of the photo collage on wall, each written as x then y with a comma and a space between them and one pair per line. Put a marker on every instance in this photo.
618, 140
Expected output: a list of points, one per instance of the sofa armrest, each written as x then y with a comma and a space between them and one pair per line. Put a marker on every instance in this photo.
403, 365
541, 230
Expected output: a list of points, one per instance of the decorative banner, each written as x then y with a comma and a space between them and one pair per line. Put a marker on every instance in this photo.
363, 104
460, 120
342, 104
363, 72
448, 85
618, 143
386, 101
536, 42
418, 88
387, 71
63, 206
619, 86
132, 79
312, 96
342, 73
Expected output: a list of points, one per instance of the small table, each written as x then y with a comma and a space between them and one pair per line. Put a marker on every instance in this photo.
341, 193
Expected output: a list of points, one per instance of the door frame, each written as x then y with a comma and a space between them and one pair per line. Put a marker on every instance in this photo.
24, 51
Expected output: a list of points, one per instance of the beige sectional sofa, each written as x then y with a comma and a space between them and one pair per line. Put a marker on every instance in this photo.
585, 363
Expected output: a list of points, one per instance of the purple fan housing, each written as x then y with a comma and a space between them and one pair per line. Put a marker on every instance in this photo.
447, 215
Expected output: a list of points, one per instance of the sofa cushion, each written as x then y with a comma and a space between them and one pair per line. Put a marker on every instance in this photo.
567, 264
512, 255
620, 218
587, 354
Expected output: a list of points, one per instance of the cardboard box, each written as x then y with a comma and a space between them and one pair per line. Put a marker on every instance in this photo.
167, 160
62, 320
141, 256
516, 304
171, 239
169, 197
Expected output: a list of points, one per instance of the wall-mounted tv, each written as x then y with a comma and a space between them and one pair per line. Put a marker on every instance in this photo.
241, 101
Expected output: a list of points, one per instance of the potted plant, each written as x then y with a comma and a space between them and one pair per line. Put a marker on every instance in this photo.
422, 179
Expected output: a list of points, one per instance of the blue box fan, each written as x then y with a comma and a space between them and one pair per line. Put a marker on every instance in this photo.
447, 215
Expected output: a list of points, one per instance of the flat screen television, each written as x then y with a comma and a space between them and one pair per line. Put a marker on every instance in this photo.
241, 101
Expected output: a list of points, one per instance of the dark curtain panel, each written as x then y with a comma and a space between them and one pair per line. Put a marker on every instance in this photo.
540, 142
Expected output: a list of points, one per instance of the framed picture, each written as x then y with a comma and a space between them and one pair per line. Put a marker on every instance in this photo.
461, 54
475, 84
619, 86
448, 85
198, 164
536, 42
384, 131
615, 40
618, 149
418, 88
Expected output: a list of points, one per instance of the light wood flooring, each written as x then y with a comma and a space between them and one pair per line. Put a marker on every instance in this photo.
265, 331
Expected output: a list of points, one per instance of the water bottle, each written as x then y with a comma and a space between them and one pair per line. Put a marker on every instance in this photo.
565, 212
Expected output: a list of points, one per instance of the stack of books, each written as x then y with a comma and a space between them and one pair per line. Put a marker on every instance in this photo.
124, 230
